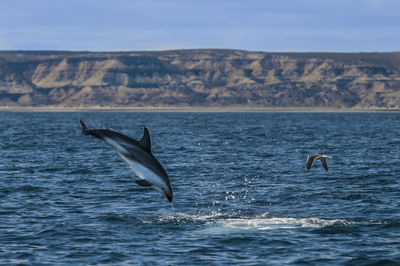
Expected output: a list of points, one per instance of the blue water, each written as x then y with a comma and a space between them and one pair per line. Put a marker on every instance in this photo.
242, 194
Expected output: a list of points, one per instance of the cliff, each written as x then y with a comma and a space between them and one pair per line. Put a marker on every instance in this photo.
200, 78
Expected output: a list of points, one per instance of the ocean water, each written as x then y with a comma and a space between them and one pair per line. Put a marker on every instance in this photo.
242, 194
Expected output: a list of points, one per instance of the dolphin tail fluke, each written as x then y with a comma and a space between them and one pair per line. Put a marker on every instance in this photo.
85, 130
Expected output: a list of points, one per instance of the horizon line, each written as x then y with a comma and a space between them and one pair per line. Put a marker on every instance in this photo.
196, 49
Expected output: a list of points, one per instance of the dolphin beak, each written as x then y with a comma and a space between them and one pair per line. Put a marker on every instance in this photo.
168, 196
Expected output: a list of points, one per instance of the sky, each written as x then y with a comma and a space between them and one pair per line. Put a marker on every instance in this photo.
255, 25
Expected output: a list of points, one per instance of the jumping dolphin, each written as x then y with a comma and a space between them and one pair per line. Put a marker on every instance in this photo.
322, 158
137, 154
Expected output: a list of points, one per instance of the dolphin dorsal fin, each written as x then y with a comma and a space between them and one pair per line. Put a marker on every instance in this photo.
145, 141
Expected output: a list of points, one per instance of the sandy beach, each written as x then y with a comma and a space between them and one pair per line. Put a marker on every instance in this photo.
188, 109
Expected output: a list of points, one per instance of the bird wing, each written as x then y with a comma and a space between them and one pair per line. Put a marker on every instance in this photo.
325, 164
310, 160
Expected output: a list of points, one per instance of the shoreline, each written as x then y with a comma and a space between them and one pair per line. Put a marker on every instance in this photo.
193, 109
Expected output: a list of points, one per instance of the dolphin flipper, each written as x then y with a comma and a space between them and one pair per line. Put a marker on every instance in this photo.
143, 183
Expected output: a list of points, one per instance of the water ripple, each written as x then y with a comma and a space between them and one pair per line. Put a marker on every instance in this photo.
242, 194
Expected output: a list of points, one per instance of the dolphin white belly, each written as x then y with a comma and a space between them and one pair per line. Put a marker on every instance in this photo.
145, 173
116, 145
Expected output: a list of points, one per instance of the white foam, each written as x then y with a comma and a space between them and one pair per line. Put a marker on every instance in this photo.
217, 223
244, 224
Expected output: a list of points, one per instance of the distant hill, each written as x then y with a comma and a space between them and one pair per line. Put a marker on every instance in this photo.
209, 77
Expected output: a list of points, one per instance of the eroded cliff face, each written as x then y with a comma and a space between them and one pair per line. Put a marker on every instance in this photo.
200, 78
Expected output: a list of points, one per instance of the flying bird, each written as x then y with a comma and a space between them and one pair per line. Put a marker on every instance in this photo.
313, 157
138, 156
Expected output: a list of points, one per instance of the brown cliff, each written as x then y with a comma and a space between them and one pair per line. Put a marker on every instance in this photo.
200, 78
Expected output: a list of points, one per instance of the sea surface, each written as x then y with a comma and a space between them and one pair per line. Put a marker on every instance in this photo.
242, 194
